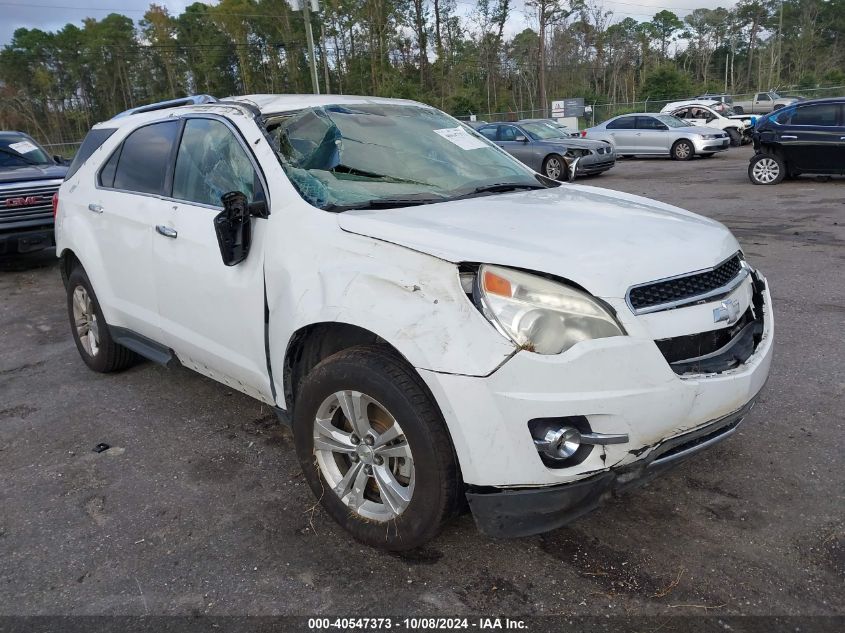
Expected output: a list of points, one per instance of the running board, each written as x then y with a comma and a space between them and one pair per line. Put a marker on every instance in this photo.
143, 346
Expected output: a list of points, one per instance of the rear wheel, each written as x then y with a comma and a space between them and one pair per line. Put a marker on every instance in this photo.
739, 109
766, 169
554, 167
90, 330
375, 450
683, 150
735, 136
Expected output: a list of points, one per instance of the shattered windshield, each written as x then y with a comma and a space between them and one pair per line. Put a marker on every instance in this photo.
17, 150
388, 155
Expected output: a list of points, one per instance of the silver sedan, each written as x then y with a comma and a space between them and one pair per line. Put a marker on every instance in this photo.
550, 150
659, 135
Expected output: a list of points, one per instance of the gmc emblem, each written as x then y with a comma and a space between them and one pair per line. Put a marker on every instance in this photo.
28, 201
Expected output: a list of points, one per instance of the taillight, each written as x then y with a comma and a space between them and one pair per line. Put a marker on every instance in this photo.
55, 203
583, 133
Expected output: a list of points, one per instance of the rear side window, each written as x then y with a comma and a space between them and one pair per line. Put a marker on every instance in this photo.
93, 140
488, 132
108, 170
823, 114
145, 157
623, 123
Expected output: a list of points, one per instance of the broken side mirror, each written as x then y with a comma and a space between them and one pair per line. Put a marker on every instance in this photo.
233, 226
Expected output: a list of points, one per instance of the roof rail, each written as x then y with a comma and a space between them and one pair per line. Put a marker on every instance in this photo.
163, 105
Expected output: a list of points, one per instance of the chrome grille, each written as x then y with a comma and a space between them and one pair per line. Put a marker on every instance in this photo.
30, 204
684, 287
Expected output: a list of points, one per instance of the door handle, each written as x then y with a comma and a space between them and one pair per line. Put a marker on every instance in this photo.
788, 136
96, 208
166, 231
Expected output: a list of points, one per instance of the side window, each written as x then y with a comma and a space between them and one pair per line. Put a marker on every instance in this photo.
783, 116
145, 158
109, 169
488, 132
648, 123
211, 162
93, 140
822, 114
763, 97
507, 133
623, 123
683, 113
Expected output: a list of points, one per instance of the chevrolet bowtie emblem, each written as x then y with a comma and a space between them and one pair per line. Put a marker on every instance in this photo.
728, 311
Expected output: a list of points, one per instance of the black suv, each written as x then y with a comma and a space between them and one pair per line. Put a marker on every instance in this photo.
29, 177
804, 138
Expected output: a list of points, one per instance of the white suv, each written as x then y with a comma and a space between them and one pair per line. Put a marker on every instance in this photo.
437, 322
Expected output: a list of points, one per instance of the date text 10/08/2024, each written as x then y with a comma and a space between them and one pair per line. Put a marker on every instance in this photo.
416, 624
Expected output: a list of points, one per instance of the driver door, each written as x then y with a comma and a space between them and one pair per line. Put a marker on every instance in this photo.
212, 315
506, 139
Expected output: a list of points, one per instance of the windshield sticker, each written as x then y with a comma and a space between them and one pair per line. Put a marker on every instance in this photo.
460, 137
24, 147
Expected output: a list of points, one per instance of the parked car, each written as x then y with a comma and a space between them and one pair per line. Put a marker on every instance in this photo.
805, 138
438, 322
29, 177
659, 135
550, 150
763, 103
705, 113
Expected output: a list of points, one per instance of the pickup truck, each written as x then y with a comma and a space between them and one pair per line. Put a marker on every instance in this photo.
763, 103
29, 177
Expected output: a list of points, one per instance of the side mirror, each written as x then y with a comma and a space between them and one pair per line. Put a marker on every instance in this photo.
59, 160
233, 226
521, 139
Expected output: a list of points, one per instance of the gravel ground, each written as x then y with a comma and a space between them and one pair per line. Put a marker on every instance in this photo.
198, 507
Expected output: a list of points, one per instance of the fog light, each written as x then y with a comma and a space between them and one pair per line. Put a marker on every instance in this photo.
560, 443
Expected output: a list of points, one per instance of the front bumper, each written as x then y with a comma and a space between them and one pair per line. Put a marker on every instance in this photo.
25, 241
622, 385
522, 512
714, 145
595, 164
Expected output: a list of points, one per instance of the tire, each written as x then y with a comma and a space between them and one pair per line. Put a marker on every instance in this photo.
683, 150
766, 169
407, 493
739, 110
90, 330
735, 136
554, 164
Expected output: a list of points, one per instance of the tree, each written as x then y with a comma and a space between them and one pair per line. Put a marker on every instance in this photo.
664, 25
666, 83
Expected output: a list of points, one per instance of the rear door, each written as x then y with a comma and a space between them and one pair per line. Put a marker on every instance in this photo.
212, 315
123, 207
623, 131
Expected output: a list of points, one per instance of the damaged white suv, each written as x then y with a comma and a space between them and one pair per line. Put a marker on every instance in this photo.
437, 322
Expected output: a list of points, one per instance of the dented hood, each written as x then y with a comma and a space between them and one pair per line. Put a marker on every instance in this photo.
603, 240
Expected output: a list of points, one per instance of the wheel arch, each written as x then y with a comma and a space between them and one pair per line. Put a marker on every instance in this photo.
67, 262
312, 343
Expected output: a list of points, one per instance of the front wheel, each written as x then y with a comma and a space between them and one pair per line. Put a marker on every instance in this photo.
683, 150
735, 136
375, 450
554, 167
766, 169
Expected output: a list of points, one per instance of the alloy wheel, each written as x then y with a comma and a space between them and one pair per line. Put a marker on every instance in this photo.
85, 321
765, 171
682, 151
363, 455
553, 168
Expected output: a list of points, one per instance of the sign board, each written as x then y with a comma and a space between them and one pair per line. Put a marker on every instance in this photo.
568, 108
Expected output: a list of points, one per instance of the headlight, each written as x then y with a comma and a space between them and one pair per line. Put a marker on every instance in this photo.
540, 315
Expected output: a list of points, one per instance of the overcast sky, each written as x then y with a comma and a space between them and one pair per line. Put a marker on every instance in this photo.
50, 15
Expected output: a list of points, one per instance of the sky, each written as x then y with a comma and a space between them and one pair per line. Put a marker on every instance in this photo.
51, 15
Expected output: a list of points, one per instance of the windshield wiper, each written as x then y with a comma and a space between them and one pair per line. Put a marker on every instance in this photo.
501, 187
384, 203
20, 156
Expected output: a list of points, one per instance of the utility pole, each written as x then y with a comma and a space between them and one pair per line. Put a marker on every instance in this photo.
312, 60
780, 41
306, 6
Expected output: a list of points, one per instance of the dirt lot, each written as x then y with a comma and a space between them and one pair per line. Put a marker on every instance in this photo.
199, 506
